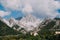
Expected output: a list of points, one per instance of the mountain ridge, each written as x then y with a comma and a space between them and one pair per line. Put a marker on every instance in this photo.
30, 24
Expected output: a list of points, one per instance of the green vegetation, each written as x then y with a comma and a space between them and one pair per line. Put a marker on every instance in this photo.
5, 30
57, 18
45, 33
50, 25
42, 36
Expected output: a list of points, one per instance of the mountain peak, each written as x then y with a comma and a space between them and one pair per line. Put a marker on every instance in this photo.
30, 22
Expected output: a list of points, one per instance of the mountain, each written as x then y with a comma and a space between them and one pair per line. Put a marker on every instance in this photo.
52, 25
27, 23
6, 30
28, 27
57, 18
57, 25
12, 22
5, 21
30, 22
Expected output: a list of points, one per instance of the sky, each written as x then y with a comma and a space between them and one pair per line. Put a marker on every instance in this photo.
39, 8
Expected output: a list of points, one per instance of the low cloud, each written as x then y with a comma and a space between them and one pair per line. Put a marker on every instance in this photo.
4, 13
43, 8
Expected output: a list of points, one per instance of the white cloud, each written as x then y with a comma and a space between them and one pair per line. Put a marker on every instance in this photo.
27, 9
45, 8
3, 13
11, 4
